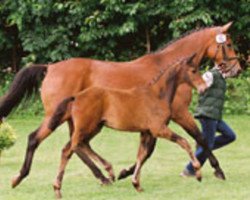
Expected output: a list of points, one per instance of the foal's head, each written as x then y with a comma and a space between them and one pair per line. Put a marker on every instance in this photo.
189, 73
182, 71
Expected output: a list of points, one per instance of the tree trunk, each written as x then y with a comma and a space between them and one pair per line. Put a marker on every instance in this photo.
148, 44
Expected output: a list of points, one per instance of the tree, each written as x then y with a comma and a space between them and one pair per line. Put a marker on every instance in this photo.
44, 31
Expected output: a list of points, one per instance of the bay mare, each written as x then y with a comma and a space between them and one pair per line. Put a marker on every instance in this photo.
140, 109
66, 78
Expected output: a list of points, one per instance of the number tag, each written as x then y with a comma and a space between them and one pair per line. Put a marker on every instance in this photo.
221, 38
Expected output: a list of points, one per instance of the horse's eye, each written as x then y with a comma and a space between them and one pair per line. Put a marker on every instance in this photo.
229, 45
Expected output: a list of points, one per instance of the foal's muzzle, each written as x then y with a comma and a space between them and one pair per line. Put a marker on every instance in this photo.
201, 88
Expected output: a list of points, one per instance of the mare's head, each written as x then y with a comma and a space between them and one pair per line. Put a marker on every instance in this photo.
189, 73
220, 50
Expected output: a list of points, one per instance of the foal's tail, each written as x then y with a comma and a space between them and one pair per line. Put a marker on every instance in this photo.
60, 112
25, 83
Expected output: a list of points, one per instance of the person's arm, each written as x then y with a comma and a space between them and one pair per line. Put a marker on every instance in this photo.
208, 78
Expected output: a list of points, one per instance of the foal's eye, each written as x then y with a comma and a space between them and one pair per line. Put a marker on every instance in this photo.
193, 71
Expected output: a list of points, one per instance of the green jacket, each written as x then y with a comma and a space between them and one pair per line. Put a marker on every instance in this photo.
211, 102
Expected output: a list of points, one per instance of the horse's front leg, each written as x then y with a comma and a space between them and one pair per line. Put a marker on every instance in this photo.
187, 122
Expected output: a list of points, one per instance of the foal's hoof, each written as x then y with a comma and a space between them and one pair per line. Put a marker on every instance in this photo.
15, 181
123, 174
137, 187
57, 190
219, 174
58, 194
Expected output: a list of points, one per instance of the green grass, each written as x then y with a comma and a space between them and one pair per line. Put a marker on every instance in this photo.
160, 175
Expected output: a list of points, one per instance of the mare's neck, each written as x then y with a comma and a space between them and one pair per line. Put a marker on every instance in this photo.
197, 42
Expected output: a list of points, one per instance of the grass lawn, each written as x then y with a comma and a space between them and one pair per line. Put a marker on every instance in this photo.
160, 175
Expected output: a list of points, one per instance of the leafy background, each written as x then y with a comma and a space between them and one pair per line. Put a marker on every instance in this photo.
45, 31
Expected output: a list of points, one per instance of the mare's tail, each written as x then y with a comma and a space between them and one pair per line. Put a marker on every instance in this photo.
25, 83
60, 112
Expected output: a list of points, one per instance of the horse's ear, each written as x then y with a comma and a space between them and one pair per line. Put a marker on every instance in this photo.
190, 59
225, 28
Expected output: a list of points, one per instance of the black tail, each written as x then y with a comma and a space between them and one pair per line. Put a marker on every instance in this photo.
26, 82
61, 109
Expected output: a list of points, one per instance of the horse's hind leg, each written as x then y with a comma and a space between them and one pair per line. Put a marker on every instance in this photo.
34, 139
146, 148
187, 122
107, 166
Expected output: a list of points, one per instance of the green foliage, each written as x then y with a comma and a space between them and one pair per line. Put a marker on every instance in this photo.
238, 94
7, 136
47, 31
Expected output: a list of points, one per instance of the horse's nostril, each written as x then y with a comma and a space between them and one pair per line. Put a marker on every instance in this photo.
239, 71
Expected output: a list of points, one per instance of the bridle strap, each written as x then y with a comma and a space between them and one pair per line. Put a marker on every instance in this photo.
225, 57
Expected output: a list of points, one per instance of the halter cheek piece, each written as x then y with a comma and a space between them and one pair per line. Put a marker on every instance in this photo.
221, 40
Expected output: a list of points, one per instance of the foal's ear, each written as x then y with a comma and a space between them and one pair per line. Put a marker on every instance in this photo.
190, 59
225, 28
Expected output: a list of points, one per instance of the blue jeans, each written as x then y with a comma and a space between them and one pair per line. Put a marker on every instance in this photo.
209, 128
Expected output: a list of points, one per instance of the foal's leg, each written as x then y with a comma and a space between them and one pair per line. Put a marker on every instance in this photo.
81, 152
78, 143
66, 155
187, 122
166, 133
34, 139
146, 148
107, 166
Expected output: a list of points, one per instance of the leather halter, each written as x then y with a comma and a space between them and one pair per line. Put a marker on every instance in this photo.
226, 58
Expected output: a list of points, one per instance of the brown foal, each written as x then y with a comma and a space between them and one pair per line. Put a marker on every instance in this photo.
69, 77
145, 108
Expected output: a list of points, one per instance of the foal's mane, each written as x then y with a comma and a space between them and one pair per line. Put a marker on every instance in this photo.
161, 72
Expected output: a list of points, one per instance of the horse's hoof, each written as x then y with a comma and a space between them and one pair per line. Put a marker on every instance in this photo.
105, 182
123, 174
220, 175
15, 181
199, 178
198, 175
